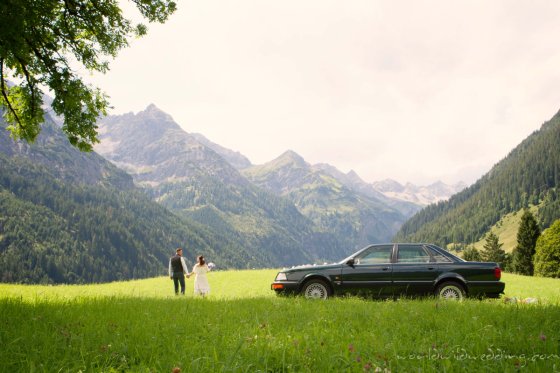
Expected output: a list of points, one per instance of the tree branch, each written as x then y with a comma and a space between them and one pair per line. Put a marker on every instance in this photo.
30, 83
3, 88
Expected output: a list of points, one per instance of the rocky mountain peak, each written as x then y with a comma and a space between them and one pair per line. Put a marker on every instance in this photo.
290, 157
155, 117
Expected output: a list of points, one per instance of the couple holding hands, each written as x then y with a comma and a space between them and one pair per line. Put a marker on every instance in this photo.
178, 270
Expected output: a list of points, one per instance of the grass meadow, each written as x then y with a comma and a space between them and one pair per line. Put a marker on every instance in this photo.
140, 326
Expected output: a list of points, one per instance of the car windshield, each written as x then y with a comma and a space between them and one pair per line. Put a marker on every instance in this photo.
345, 260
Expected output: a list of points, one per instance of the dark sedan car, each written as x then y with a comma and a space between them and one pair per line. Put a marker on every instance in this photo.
389, 270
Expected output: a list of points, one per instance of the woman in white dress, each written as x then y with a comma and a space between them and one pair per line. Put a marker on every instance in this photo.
200, 269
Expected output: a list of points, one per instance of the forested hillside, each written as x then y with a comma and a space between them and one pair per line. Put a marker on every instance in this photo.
72, 217
354, 219
529, 175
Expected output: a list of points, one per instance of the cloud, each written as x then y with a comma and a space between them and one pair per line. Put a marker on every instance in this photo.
414, 91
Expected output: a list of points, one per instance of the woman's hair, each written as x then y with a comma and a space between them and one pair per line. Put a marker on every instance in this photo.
200, 259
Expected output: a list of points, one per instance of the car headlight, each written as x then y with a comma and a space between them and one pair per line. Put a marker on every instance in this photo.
281, 276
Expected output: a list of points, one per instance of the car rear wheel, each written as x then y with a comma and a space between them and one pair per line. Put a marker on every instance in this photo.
450, 290
316, 289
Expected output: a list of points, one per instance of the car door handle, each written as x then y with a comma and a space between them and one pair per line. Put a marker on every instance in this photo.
431, 268
384, 268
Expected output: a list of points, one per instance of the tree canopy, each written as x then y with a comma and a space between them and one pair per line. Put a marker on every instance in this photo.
41, 39
547, 255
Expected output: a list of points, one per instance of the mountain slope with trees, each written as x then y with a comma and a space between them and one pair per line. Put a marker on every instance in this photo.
529, 175
73, 217
355, 219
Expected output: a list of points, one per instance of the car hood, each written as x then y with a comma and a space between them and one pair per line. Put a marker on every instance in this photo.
312, 267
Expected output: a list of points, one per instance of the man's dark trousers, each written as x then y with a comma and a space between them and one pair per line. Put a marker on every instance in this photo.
179, 278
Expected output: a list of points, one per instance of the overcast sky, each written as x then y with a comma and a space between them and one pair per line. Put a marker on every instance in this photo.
416, 91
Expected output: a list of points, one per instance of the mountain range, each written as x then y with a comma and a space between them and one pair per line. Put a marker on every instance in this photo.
213, 186
316, 208
150, 186
194, 181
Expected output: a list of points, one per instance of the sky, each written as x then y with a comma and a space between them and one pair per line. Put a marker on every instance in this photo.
415, 91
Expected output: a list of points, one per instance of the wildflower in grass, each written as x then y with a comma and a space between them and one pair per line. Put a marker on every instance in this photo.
351, 347
176, 370
542, 337
367, 367
358, 359
105, 348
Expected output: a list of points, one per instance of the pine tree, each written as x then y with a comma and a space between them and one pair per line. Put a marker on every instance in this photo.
471, 254
493, 251
527, 235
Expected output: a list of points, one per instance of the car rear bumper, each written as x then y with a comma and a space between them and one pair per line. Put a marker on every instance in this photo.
491, 289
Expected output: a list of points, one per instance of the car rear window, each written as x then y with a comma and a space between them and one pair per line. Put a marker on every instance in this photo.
439, 258
412, 254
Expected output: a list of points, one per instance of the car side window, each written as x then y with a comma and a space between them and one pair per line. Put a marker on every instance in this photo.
375, 255
439, 258
412, 254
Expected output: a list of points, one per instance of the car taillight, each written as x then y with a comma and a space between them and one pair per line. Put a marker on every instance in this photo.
497, 273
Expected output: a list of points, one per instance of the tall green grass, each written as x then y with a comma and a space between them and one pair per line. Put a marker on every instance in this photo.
242, 326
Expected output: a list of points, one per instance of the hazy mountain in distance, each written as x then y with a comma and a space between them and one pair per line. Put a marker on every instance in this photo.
420, 195
155, 150
353, 181
236, 159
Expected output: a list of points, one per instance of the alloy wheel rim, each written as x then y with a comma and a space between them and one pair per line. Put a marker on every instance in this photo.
316, 291
451, 292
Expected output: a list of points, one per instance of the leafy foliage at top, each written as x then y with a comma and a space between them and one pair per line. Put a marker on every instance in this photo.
39, 41
530, 174
547, 252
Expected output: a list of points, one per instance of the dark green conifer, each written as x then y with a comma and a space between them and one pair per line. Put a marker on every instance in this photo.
493, 251
527, 235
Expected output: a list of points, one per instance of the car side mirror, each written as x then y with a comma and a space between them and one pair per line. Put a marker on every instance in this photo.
350, 262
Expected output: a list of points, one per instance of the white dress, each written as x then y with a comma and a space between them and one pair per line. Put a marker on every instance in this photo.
201, 285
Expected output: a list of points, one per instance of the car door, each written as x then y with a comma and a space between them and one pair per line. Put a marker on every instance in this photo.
369, 272
414, 270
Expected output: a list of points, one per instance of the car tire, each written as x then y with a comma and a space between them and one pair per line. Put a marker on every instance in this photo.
450, 291
316, 289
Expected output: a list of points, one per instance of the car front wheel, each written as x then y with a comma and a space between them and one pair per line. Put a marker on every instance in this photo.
316, 289
450, 290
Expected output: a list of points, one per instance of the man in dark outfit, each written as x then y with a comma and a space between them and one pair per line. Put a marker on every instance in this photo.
178, 270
